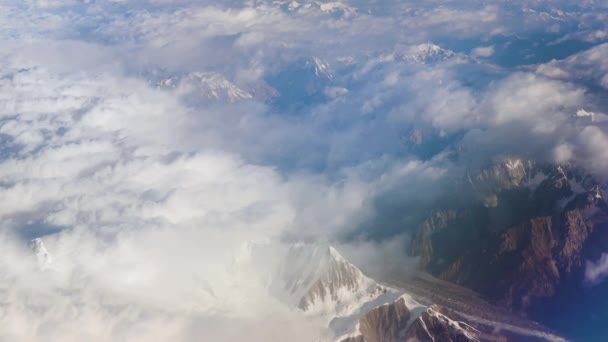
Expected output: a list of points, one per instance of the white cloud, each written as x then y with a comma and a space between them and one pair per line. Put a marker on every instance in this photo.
597, 271
591, 141
452, 107
586, 66
150, 227
542, 103
483, 51
152, 193
563, 153
385, 260
150, 284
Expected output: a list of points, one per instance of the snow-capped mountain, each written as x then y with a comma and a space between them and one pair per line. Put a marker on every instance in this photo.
321, 68
301, 83
200, 86
405, 320
316, 280
440, 324
426, 53
324, 284
338, 8
322, 280
517, 173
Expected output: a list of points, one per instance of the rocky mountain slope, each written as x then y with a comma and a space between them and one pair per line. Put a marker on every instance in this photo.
524, 241
317, 280
321, 284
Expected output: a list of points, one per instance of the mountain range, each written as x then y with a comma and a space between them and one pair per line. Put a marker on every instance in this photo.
318, 281
522, 239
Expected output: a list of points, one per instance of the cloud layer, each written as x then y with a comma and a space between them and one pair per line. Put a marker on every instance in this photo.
148, 141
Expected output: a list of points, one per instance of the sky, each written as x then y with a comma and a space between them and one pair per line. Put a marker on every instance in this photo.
147, 142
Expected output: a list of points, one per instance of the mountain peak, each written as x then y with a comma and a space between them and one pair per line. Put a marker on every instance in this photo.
318, 279
204, 85
333, 253
338, 283
427, 53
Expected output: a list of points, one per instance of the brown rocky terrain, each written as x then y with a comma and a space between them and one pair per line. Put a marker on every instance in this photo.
529, 233
385, 322
392, 323
440, 324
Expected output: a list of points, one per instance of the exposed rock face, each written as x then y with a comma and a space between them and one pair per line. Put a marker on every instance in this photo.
527, 248
385, 323
439, 324
500, 176
392, 323
524, 247
302, 83
337, 281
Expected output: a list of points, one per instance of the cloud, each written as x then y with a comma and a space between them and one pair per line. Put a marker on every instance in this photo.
563, 153
148, 227
597, 271
590, 140
385, 260
127, 289
526, 97
587, 67
145, 194
483, 51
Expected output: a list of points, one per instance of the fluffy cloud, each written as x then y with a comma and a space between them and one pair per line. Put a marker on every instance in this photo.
383, 260
148, 225
483, 51
588, 67
596, 271
540, 102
